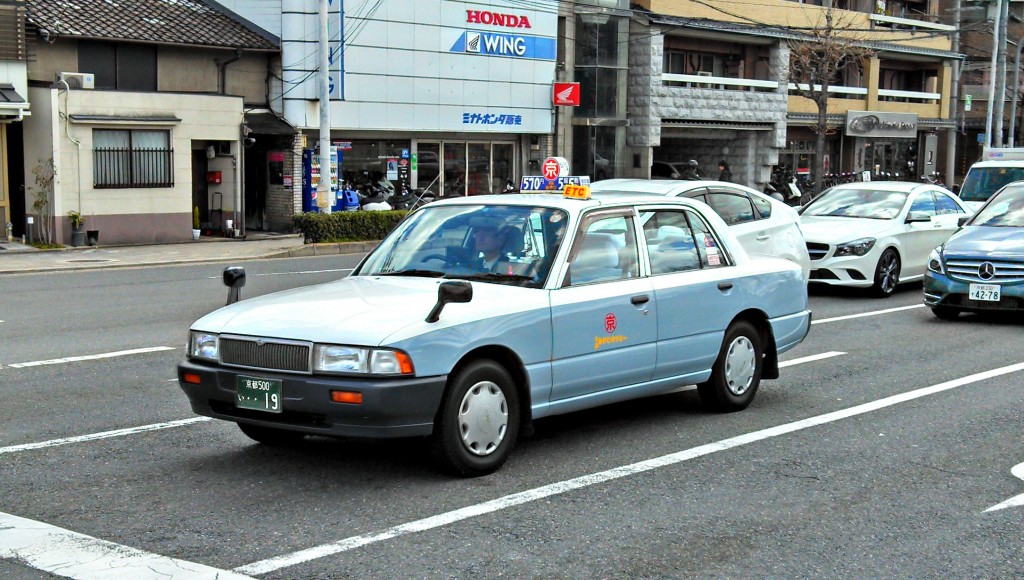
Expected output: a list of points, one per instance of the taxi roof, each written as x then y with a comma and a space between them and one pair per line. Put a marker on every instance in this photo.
556, 200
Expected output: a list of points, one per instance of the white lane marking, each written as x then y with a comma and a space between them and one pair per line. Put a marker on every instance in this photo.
183, 422
57, 361
289, 273
811, 358
508, 501
103, 435
73, 555
1018, 472
865, 314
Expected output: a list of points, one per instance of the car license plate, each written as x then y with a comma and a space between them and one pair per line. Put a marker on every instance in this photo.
258, 394
984, 292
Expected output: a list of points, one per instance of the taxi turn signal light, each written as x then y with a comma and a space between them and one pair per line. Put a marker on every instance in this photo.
350, 397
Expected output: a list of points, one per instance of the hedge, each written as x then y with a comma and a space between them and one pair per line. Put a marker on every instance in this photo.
347, 226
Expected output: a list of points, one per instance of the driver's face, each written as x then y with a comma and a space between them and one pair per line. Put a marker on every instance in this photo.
486, 239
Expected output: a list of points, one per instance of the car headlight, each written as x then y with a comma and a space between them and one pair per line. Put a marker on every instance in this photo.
935, 260
203, 345
336, 358
855, 248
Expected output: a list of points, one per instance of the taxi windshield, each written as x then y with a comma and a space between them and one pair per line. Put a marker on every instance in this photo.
879, 204
982, 182
505, 244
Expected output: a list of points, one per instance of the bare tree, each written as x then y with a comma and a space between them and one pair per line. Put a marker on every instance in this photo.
42, 198
824, 54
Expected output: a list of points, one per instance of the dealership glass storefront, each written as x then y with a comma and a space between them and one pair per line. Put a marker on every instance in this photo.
453, 168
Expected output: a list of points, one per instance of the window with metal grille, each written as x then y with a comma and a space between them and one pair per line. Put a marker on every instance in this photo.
132, 158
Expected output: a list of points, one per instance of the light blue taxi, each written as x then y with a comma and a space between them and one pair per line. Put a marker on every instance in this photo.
478, 315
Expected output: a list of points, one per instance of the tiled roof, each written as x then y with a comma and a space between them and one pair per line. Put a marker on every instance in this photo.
179, 22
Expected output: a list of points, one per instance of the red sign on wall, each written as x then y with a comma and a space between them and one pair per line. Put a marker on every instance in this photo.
567, 94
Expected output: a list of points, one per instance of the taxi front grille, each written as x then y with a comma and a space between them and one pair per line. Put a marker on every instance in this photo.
265, 354
998, 271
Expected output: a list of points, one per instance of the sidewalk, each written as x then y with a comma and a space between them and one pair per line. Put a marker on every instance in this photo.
16, 258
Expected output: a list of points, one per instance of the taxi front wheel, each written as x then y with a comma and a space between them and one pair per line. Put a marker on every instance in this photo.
736, 373
479, 420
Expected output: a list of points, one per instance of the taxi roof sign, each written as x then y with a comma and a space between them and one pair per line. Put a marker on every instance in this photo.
538, 183
576, 192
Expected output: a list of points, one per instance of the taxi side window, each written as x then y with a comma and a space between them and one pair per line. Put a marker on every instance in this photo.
734, 209
605, 250
944, 205
924, 202
669, 241
712, 255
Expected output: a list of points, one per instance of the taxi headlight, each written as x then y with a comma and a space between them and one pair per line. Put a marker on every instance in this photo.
203, 345
334, 358
935, 260
856, 247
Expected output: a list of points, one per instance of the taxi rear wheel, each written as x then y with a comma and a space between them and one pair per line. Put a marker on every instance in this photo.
736, 373
271, 436
478, 423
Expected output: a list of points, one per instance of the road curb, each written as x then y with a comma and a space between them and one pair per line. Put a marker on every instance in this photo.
328, 249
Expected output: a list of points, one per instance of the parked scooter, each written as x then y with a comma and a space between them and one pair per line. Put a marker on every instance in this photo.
376, 199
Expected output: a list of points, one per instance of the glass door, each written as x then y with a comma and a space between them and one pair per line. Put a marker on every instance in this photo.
454, 175
478, 179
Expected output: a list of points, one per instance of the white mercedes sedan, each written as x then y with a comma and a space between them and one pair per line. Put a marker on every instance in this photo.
877, 234
763, 225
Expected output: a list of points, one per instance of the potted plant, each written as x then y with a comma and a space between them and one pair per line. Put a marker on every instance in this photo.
77, 221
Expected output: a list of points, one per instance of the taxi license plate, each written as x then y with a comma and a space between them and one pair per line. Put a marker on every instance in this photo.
259, 394
984, 292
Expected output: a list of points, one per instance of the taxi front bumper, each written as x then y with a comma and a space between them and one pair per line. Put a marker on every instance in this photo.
399, 407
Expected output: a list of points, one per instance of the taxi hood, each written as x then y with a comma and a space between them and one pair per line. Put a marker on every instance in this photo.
839, 230
358, 310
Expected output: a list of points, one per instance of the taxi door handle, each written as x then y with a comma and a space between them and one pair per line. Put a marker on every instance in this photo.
723, 286
762, 237
640, 299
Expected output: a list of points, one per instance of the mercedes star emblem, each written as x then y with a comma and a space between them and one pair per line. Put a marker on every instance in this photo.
986, 271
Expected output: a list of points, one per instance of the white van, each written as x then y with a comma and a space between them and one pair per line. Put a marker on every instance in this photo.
998, 166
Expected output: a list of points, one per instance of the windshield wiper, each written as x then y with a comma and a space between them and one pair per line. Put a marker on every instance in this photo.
412, 272
497, 277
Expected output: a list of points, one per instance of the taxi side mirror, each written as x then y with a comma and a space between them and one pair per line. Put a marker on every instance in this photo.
234, 279
916, 217
962, 220
457, 291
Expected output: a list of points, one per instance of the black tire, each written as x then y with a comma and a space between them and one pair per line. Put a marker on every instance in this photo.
945, 312
271, 436
887, 273
732, 385
485, 390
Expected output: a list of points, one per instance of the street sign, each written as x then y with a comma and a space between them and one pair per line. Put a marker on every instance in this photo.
967, 102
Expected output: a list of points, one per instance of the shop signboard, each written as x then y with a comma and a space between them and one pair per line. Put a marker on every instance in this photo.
873, 124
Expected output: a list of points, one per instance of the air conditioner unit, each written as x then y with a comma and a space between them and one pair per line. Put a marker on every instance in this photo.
78, 80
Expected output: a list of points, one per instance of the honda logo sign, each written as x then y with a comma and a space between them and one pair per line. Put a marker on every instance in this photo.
567, 94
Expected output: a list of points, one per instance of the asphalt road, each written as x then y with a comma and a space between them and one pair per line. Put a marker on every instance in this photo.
878, 459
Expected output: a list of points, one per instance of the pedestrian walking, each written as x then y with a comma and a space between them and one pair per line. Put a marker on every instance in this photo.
723, 171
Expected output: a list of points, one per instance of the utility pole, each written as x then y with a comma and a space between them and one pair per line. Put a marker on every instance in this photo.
992, 76
1004, 15
954, 101
323, 188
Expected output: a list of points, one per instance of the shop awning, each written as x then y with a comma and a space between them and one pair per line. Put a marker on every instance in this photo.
267, 123
13, 107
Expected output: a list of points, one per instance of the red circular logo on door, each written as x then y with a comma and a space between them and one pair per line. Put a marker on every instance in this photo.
610, 323
550, 169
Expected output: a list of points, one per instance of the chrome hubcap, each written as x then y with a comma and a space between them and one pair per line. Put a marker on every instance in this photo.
483, 418
740, 363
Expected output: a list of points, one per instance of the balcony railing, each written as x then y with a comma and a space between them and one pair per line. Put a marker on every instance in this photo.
908, 96
721, 83
882, 20
845, 92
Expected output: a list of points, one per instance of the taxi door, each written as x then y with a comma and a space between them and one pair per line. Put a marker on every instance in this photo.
603, 314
